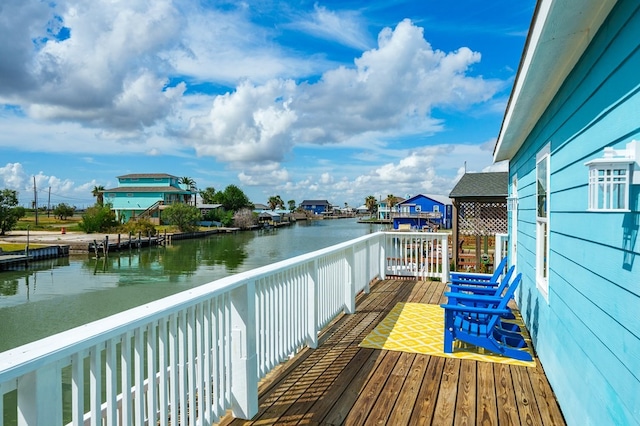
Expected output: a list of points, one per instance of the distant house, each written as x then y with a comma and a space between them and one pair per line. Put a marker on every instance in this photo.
423, 212
269, 217
316, 206
206, 208
144, 195
571, 135
479, 213
387, 207
258, 207
363, 209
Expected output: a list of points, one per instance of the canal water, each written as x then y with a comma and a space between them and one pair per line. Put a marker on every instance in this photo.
59, 294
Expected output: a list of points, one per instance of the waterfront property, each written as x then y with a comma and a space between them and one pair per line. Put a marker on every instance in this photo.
423, 212
570, 134
387, 207
144, 195
316, 206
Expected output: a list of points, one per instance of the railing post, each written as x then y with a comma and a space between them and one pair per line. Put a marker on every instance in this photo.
312, 294
350, 288
40, 397
383, 259
244, 361
367, 267
445, 259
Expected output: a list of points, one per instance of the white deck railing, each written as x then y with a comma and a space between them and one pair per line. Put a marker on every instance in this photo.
190, 357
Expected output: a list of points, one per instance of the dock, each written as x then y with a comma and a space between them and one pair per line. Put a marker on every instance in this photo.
21, 258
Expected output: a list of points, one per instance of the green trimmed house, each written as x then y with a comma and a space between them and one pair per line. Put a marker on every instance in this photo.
144, 195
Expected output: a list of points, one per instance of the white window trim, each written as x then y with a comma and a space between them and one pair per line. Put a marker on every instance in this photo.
542, 280
608, 182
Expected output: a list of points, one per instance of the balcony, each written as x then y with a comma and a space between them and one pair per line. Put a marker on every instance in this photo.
275, 344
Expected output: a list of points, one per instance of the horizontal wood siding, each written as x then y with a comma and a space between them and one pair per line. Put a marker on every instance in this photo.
587, 335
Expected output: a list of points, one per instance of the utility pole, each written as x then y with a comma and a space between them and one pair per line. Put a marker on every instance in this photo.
35, 199
49, 203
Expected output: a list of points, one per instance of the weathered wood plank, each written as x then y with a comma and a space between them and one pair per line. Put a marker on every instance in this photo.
525, 399
466, 400
505, 396
408, 396
487, 408
545, 399
381, 411
428, 395
369, 394
446, 403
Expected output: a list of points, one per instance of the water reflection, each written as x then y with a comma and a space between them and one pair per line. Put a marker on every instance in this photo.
59, 294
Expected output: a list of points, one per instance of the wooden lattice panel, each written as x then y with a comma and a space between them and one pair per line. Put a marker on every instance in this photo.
481, 218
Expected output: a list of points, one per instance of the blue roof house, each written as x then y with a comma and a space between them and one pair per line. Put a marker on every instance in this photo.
423, 211
316, 206
570, 133
144, 195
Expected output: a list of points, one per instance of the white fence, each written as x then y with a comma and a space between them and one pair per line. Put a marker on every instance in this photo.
188, 358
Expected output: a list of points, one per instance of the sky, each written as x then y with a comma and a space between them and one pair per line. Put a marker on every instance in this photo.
329, 100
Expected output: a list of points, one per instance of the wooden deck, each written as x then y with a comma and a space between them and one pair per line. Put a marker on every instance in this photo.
341, 383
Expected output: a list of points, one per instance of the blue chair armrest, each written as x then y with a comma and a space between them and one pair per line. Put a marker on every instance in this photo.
474, 297
474, 282
476, 310
473, 289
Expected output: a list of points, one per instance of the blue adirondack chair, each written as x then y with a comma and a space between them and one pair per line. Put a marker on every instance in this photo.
488, 290
480, 279
464, 294
482, 326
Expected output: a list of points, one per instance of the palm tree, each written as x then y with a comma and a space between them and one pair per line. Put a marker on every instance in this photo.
371, 204
275, 201
98, 192
391, 200
190, 186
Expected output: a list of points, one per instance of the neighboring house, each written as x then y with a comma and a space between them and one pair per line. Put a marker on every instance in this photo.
269, 217
362, 210
144, 195
258, 208
423, 212
568, 133
206, 208
387, 207
316, 206
479, 213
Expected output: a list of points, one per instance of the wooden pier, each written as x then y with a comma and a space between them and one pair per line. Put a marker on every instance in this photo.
20, 259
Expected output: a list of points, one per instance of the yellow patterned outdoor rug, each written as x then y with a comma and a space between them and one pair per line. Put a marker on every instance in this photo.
419, 328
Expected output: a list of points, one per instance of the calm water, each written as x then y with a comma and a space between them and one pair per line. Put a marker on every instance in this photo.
60, 294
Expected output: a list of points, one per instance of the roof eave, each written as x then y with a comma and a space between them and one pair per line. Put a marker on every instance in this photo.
560, 33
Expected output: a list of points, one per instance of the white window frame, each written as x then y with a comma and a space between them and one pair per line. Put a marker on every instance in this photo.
436, 208
542, 223
609, 186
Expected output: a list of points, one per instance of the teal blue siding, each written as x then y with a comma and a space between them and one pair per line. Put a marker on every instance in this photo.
587, 335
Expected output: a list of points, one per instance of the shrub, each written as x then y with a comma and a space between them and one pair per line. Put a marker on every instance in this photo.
244, 218
143, 226
98, 219
185, 217
63, 211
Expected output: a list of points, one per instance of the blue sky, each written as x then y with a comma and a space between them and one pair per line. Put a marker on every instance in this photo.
331, 100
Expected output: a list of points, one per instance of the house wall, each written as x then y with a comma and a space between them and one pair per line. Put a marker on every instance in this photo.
315, 208
587, 335
421, 204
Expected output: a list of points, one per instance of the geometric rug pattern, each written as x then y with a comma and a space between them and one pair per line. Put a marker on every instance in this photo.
419, 328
